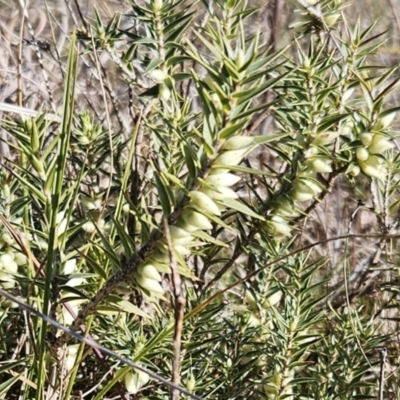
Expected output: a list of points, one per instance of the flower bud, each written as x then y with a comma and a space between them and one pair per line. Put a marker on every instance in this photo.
273, 299
222, 193
149, 284
231, 158
301, 195
319, 164
191, 382
180, 236
126, 208
278, 226
284, 207
62, 227
204, 203
346, 129
196, 219
149, 271
20, 259
164, 92
225, 179
362, 153
7, 238
157, 75
304, 189
6, 280
72, 352
69, 266
159, 254
353, 170
380, 144
366, 138
11, 267
143, 377
331, 19
182, 224
9, 304
373, 168
157, 5
6, 258
83, 140
89, 227
131, 382
182, 250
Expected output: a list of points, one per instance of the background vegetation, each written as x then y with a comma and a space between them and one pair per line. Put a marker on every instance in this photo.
209, 189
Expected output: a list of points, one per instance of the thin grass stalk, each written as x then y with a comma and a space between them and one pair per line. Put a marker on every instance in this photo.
382, 356
63, 148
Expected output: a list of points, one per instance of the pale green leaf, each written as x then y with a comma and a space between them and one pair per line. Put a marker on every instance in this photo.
242, 208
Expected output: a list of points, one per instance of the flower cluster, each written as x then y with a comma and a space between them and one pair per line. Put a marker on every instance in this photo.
69, 268
205, 204
368, 159
10, 260
134, 380
304, 187
367, 155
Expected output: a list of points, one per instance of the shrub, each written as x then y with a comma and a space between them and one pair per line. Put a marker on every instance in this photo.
178, 214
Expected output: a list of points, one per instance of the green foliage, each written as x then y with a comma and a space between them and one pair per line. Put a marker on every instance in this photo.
85, 199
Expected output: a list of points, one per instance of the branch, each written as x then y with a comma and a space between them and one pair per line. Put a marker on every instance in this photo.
282, 258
